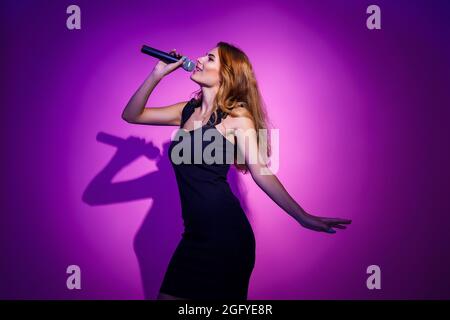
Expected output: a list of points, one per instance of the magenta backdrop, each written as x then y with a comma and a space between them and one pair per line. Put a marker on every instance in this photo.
361, 115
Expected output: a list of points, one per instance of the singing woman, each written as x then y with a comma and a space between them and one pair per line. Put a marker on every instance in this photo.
216, 254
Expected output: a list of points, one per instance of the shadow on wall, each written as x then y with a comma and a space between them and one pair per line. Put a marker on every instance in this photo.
160, 232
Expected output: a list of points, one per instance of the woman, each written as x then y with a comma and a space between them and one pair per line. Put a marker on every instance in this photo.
216, 255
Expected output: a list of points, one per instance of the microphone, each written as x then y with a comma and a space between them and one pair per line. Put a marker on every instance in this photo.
188, 65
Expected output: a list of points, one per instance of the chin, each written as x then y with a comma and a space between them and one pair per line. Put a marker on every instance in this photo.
193, 79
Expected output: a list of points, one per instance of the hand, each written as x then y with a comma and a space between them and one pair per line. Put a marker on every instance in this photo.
162, 69
323, 224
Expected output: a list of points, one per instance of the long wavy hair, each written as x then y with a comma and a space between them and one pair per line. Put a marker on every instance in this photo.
239, 88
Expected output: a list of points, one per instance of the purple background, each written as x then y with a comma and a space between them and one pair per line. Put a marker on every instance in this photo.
363, 119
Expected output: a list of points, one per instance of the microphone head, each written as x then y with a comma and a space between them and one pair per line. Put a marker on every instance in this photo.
188, 65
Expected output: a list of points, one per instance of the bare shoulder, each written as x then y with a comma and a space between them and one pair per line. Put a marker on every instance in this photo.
240, 119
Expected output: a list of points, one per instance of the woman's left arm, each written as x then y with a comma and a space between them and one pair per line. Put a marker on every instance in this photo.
270, 184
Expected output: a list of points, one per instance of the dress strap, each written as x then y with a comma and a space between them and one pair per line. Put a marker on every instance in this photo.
189, 108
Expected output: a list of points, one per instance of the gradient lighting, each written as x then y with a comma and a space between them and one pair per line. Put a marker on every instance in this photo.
360, 115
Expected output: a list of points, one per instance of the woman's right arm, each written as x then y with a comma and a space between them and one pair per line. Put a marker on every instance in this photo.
135, 111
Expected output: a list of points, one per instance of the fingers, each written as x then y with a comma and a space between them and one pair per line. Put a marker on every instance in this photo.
180, 58
174, 53
337, 223
336, 220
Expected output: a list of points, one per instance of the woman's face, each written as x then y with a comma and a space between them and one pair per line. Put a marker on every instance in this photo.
207, 69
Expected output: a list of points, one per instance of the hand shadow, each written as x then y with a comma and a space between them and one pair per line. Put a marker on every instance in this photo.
161, 229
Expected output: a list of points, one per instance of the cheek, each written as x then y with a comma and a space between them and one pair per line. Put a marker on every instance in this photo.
213, 73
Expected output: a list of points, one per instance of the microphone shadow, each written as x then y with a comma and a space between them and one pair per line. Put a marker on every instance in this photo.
161, 229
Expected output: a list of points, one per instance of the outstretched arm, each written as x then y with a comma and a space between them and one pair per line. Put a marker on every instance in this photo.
272, 186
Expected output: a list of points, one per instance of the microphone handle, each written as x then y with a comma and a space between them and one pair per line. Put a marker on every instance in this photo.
161, 55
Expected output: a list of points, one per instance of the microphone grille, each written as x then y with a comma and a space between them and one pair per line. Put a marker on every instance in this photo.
188, 65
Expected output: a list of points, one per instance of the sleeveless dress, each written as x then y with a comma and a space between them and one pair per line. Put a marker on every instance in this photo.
216, 254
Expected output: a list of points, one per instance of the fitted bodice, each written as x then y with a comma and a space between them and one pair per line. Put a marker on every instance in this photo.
201, 162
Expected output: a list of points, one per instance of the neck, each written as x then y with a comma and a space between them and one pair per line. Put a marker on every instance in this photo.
208, 94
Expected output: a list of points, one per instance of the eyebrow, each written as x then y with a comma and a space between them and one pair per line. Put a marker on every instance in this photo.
210, 54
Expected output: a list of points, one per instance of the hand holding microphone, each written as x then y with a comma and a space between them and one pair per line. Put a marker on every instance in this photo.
168, 61
134, 110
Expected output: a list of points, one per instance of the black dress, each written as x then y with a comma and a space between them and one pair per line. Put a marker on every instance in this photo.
216, 254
